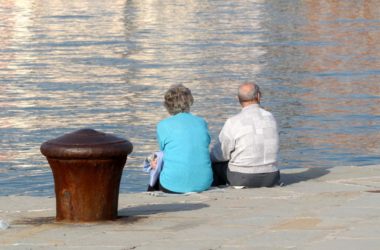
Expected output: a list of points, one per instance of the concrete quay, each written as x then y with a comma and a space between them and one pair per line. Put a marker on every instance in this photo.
336, 208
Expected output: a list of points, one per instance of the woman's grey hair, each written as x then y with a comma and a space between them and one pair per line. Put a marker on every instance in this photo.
248, 92
178, 99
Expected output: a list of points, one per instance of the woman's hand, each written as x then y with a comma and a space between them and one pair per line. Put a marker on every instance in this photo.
153, 163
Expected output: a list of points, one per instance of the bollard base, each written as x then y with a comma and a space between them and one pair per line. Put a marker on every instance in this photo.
87, 190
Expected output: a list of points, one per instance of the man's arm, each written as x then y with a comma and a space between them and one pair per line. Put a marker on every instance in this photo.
221, 150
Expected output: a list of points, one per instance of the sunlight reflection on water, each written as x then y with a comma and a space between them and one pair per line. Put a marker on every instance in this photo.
65, 66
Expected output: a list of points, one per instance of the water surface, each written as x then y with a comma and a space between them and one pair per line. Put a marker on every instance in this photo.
66, 65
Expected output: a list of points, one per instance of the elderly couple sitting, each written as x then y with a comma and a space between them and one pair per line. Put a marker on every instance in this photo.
244, 155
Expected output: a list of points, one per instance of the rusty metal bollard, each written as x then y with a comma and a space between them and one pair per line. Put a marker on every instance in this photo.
87, 167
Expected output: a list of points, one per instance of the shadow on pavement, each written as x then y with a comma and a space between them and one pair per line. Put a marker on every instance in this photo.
310, 173
160, 208
125, 215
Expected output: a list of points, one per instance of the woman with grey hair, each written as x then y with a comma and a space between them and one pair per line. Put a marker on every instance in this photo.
184, 139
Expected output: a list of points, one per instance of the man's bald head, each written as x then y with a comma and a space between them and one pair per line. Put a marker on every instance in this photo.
249, 93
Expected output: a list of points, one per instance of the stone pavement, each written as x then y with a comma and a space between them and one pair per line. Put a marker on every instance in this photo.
337, 208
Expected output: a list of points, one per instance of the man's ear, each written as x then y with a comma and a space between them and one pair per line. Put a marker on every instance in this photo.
258, 97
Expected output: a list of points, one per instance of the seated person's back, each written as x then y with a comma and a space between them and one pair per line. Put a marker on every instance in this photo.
247, 145
184, 139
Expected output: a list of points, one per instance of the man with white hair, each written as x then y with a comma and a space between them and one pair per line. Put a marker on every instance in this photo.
245, 154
